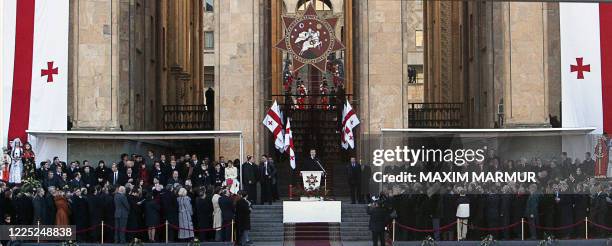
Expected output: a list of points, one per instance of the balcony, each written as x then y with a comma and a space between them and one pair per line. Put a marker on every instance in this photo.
187, 118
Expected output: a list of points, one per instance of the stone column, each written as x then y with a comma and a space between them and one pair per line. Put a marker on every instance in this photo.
238, 104
94, 64
526, 90
381, 89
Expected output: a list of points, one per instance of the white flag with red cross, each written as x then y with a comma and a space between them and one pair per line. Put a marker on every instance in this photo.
586, 65
34, 72
349, 121
274, 123
289, 143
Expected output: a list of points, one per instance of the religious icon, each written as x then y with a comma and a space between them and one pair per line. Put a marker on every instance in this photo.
301, 98
324, 92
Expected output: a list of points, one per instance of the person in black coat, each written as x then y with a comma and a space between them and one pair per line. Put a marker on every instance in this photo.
379, 218
50, 207
95, 203
581, 207
243, 217
109, 213
311, 163
152, 212
169, 207
134, 220
80, 214
22, 205
227, 214
102, 173
88, 178
267, 171
250, 174
492, 205
504, 210
204, 211
38, 203
354, 180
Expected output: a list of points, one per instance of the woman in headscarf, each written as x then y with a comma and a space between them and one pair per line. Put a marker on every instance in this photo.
185, 213
17, 164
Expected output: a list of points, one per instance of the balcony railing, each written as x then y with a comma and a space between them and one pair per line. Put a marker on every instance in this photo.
435, 115
187, 118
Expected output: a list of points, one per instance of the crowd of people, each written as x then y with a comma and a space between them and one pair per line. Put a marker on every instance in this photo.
566, 192
136, 195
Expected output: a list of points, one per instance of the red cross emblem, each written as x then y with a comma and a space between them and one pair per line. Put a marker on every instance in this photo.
347, 130
580, 68
292, 158
49, 72
269, 122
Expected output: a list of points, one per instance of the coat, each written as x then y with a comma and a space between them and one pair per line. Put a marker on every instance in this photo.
80, 213
169, 207
63, 211
152, 210
243, 215
217, 219
40, 210
204, 211
227, 208
379, 218
185, 213
122, 206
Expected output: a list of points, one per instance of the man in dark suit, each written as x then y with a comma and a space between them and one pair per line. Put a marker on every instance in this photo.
249, 178
122, 209
379, 218
354, 180
311, 163
267, 171
116, 177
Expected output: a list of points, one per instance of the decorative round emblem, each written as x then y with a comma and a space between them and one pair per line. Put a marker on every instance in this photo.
309, 39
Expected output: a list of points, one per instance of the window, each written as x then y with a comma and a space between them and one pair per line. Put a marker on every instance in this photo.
418, 38
209, 76
209, 40
209, 5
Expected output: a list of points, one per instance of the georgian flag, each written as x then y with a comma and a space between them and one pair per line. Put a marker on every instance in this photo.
586, 65
289, 143
349, 121
34, 71
274, 123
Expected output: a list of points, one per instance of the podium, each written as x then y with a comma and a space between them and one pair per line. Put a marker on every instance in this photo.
312, 180
312, 209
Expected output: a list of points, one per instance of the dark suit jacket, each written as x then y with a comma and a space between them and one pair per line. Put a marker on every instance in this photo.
271, 172
121, 180
311, 164
122, 206
354, 174
227, 208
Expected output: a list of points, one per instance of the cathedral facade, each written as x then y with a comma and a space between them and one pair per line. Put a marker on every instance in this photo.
145, 65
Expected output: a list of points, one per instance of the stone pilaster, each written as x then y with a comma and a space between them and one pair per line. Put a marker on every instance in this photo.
238, 105
526, 90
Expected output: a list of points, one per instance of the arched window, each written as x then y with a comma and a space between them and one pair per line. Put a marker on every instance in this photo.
319, 4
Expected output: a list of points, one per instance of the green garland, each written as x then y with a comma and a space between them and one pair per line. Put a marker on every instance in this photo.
30, 185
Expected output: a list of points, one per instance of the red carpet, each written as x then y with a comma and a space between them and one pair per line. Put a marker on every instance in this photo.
312, 234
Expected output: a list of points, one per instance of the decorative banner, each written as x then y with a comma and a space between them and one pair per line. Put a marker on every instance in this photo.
312, 180
309, 39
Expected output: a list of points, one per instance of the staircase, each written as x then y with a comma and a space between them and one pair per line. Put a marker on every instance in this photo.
308, 232
354, 226
267, 223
